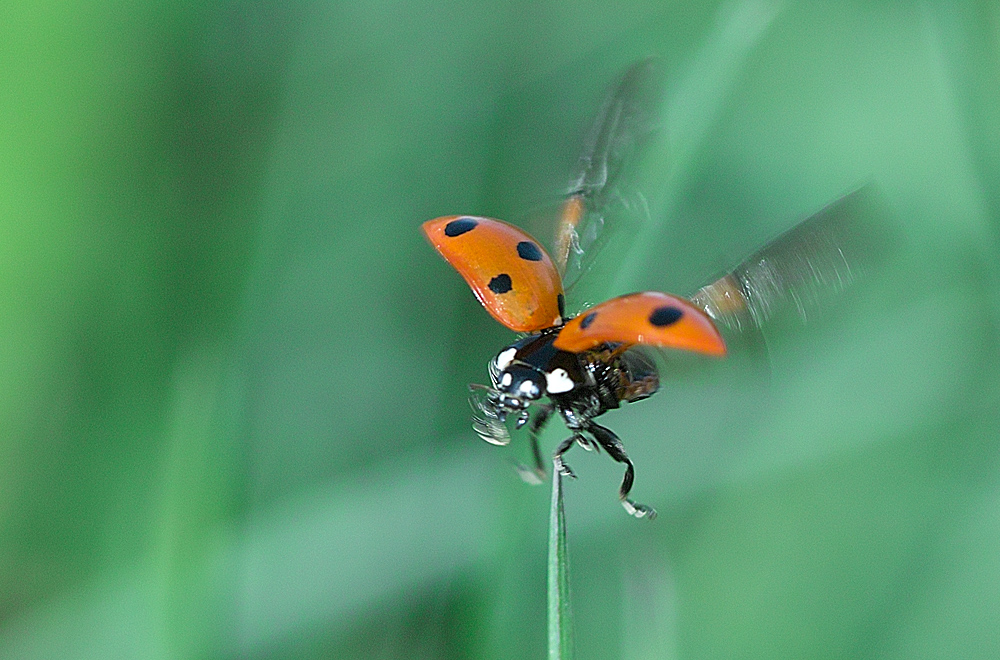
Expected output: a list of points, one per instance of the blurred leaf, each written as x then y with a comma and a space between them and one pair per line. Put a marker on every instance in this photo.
232, 416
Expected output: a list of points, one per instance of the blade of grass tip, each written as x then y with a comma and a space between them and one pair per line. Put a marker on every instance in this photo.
560, 616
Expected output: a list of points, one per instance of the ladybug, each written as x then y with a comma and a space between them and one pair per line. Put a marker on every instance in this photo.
581, 366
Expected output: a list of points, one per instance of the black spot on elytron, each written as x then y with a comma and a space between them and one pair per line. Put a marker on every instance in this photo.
561, 302
664, 316
459, 227
529, 251
587, 320
500, 284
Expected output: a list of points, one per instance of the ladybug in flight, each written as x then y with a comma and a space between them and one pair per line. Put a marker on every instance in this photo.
590, 363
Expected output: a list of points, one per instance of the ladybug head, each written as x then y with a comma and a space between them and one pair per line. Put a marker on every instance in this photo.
520, 375
514, 389
518, 384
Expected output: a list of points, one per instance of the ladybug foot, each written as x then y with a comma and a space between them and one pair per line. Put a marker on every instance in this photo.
638, 510
563, 468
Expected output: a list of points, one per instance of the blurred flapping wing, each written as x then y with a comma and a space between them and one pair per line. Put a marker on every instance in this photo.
623, 126
821, 256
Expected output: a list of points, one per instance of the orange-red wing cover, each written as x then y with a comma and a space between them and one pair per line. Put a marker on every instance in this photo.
510, 273
651, 318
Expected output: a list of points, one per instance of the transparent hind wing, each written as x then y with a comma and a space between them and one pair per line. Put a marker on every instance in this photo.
820, 257
640, 378
622, 128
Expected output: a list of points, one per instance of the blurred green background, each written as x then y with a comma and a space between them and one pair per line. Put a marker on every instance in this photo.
232, 404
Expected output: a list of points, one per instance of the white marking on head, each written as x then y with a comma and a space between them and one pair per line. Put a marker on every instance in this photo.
558, 381
505, 358
528, 389
506, 380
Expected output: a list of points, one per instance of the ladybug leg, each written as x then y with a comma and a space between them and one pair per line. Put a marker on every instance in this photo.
537, 424
616, 450
537, 475
557, 457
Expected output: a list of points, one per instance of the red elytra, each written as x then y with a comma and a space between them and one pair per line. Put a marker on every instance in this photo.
510, 273
650, 318
515, 280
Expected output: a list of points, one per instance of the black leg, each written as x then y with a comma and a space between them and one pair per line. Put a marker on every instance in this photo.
537, 424
557, 457
616, 450
536, 474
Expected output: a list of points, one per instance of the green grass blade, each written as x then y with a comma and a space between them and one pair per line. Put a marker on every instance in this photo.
560, 615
